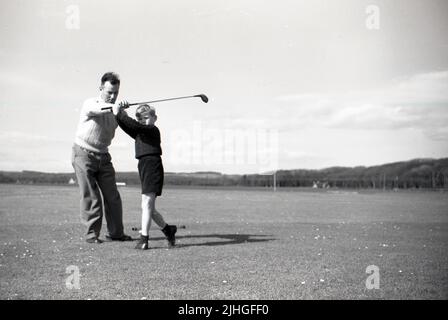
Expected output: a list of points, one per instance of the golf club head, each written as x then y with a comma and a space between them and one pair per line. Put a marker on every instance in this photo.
203, 97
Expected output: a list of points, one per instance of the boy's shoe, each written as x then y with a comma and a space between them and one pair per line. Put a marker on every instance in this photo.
170, 233
94, 240
124, 237
142, 243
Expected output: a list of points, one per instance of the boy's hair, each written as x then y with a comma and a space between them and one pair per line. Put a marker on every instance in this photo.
144, 108
112, 77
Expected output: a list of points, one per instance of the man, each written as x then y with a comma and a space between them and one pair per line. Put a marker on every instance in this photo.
93, 167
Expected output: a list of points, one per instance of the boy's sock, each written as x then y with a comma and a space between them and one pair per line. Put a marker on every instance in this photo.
142, 244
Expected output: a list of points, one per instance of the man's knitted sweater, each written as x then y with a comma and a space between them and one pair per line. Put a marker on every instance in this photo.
96, 127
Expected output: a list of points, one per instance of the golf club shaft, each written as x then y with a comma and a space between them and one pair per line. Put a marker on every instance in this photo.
153, 101
182, 226
133, 104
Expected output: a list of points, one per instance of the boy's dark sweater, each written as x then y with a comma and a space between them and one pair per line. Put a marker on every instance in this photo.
147, 139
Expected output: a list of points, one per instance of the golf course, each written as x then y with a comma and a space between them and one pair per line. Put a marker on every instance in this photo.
244, 243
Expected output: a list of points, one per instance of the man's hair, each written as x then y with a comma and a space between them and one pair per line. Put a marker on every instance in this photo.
144, 108
112, 77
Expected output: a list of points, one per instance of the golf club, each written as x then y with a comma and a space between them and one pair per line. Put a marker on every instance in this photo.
182, 226
203, 97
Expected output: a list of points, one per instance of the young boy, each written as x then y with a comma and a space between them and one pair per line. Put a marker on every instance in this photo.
148, 152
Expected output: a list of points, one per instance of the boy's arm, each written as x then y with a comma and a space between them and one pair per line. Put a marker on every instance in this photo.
123, 121
92, 107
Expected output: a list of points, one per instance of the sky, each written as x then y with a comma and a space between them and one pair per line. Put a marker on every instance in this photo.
291, 84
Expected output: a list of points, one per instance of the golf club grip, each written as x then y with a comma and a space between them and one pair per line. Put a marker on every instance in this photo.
110, 108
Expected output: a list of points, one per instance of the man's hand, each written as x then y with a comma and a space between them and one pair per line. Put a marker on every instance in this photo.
120, 106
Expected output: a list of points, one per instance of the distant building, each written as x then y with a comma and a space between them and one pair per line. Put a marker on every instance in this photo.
321, 185
71, 181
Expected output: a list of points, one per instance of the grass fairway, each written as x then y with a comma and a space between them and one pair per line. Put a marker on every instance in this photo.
238, 244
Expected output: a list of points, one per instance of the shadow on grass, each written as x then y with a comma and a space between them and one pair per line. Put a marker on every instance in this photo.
228, 239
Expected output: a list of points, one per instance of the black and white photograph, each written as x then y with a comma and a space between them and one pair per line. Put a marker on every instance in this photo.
212, 151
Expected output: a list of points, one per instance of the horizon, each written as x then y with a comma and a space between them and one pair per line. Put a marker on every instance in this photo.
290, 84
266, 173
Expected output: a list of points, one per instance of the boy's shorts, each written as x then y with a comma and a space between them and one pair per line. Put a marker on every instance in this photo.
150, 169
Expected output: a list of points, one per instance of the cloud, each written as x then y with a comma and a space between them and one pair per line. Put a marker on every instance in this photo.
419, 102
15, 79
28, 151
21, 89
23, 138
426, 88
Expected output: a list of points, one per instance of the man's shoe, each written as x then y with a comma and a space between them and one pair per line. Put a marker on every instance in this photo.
170, 233
142, 243
124, 237
94, 240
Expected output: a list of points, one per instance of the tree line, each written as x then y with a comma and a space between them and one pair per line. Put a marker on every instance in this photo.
418, 173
